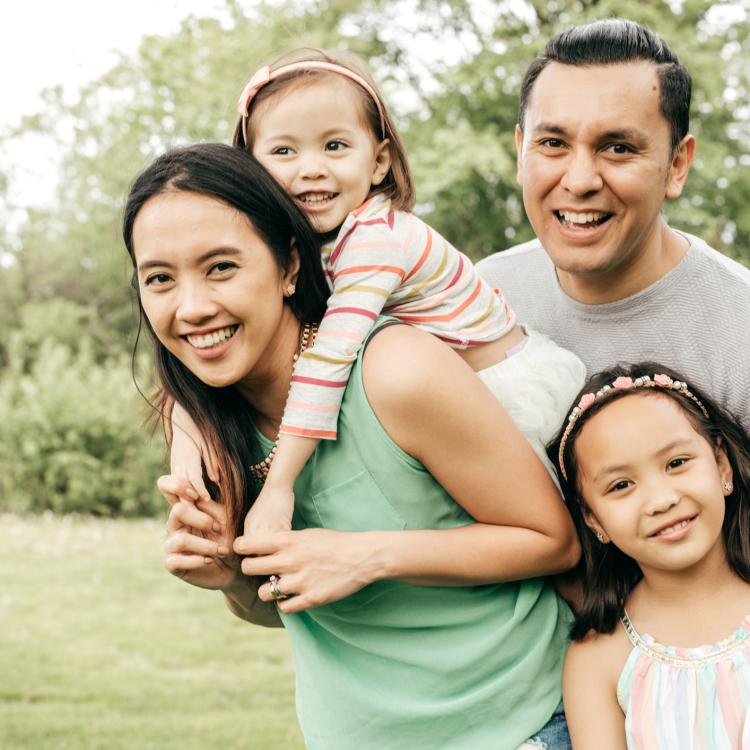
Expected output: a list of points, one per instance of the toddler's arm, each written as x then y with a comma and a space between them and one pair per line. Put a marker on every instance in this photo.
189, 451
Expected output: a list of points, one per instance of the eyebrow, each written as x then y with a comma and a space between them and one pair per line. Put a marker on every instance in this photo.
618, 468
156, 263
623, 134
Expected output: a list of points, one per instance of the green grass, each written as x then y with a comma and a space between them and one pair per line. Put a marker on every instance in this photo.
100, 648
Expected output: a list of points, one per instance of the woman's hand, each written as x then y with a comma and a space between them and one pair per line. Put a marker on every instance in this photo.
199, 546
313, 567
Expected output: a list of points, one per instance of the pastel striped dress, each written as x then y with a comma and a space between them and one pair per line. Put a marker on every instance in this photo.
686, 698
390, 262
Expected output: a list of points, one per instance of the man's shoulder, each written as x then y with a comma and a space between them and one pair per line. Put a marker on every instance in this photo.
715, 266
527, 257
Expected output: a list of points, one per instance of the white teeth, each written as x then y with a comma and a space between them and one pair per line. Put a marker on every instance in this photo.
313, 198
208, 340
582, 218
676, 527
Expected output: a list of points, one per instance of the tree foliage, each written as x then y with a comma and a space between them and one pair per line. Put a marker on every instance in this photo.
451, 71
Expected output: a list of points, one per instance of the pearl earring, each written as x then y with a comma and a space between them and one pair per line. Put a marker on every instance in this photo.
728, 487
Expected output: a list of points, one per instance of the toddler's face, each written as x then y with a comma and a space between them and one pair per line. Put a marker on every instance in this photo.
652, 484
314, 140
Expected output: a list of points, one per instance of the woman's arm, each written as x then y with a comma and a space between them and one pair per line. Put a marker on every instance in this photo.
435, 408
592, 668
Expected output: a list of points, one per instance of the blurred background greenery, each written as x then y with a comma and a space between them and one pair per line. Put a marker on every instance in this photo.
72, 435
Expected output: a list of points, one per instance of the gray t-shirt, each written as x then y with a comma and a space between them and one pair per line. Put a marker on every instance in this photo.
695, 319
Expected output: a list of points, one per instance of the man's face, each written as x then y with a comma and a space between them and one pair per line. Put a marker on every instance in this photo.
595, 164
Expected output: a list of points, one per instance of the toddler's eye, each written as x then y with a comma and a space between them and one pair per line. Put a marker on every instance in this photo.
335, 146
281, 151
623, 484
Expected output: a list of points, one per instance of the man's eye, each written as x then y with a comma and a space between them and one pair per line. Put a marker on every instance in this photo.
552, 142
619, 148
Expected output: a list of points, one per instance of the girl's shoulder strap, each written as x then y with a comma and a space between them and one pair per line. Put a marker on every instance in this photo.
633, 635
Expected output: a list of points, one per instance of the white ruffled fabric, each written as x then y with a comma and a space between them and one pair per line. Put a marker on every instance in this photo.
537, 387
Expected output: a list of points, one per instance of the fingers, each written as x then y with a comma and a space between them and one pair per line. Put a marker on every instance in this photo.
262, 542
185, 513
195, 477
184, 543
175, 487
179, 564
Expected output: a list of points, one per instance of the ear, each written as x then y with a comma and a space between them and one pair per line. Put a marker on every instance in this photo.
292, 271
722, 461
680, 166
382, 161
593, 523
519, 154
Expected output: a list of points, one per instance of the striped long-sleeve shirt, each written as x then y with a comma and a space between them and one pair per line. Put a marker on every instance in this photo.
389, 262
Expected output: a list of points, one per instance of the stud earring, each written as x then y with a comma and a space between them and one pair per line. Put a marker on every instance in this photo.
290, 290
728, 487
600, 537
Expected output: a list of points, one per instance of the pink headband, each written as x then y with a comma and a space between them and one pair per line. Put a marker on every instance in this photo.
623, 384
265, 75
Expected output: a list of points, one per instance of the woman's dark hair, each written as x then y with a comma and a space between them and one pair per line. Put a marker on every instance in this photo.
616, 41
235, 178
609, 575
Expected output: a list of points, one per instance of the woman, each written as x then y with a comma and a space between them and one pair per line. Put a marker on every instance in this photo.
403, 636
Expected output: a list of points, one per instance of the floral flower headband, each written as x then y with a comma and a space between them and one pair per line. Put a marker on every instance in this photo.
265, 75
622, 384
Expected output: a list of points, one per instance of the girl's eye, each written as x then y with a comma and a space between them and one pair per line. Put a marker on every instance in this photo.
335, 146
158, 279
675, 463
281, 151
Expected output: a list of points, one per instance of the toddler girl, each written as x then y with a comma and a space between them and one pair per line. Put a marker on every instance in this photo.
658, 480
320, 127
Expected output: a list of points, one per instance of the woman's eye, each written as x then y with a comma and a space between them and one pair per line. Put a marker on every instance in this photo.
222, 266
158, 279
335, 146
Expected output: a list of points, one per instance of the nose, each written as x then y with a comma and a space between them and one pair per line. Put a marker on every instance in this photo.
662, 496
195, 304
312, 166
582, 175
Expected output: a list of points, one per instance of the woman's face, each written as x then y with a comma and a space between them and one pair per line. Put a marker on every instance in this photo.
210, 287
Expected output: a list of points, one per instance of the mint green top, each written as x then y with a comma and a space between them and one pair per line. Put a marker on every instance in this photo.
414, 667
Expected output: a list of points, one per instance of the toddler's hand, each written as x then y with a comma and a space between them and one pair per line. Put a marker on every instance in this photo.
271, 511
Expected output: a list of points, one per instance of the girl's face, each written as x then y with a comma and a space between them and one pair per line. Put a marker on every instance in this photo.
315, 141
210, 286
652, 484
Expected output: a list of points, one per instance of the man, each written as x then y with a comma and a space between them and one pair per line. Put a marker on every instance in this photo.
602, 142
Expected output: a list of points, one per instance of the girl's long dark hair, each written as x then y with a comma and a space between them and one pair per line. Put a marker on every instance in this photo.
222, 414
609, 575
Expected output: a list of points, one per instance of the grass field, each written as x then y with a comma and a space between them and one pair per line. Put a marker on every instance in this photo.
100, 648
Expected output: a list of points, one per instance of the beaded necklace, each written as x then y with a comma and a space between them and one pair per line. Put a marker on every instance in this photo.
260, 470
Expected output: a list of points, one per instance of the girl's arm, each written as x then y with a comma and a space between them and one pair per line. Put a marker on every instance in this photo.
436, 409
595, 719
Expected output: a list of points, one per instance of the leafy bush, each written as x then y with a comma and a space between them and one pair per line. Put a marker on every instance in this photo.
72, 434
